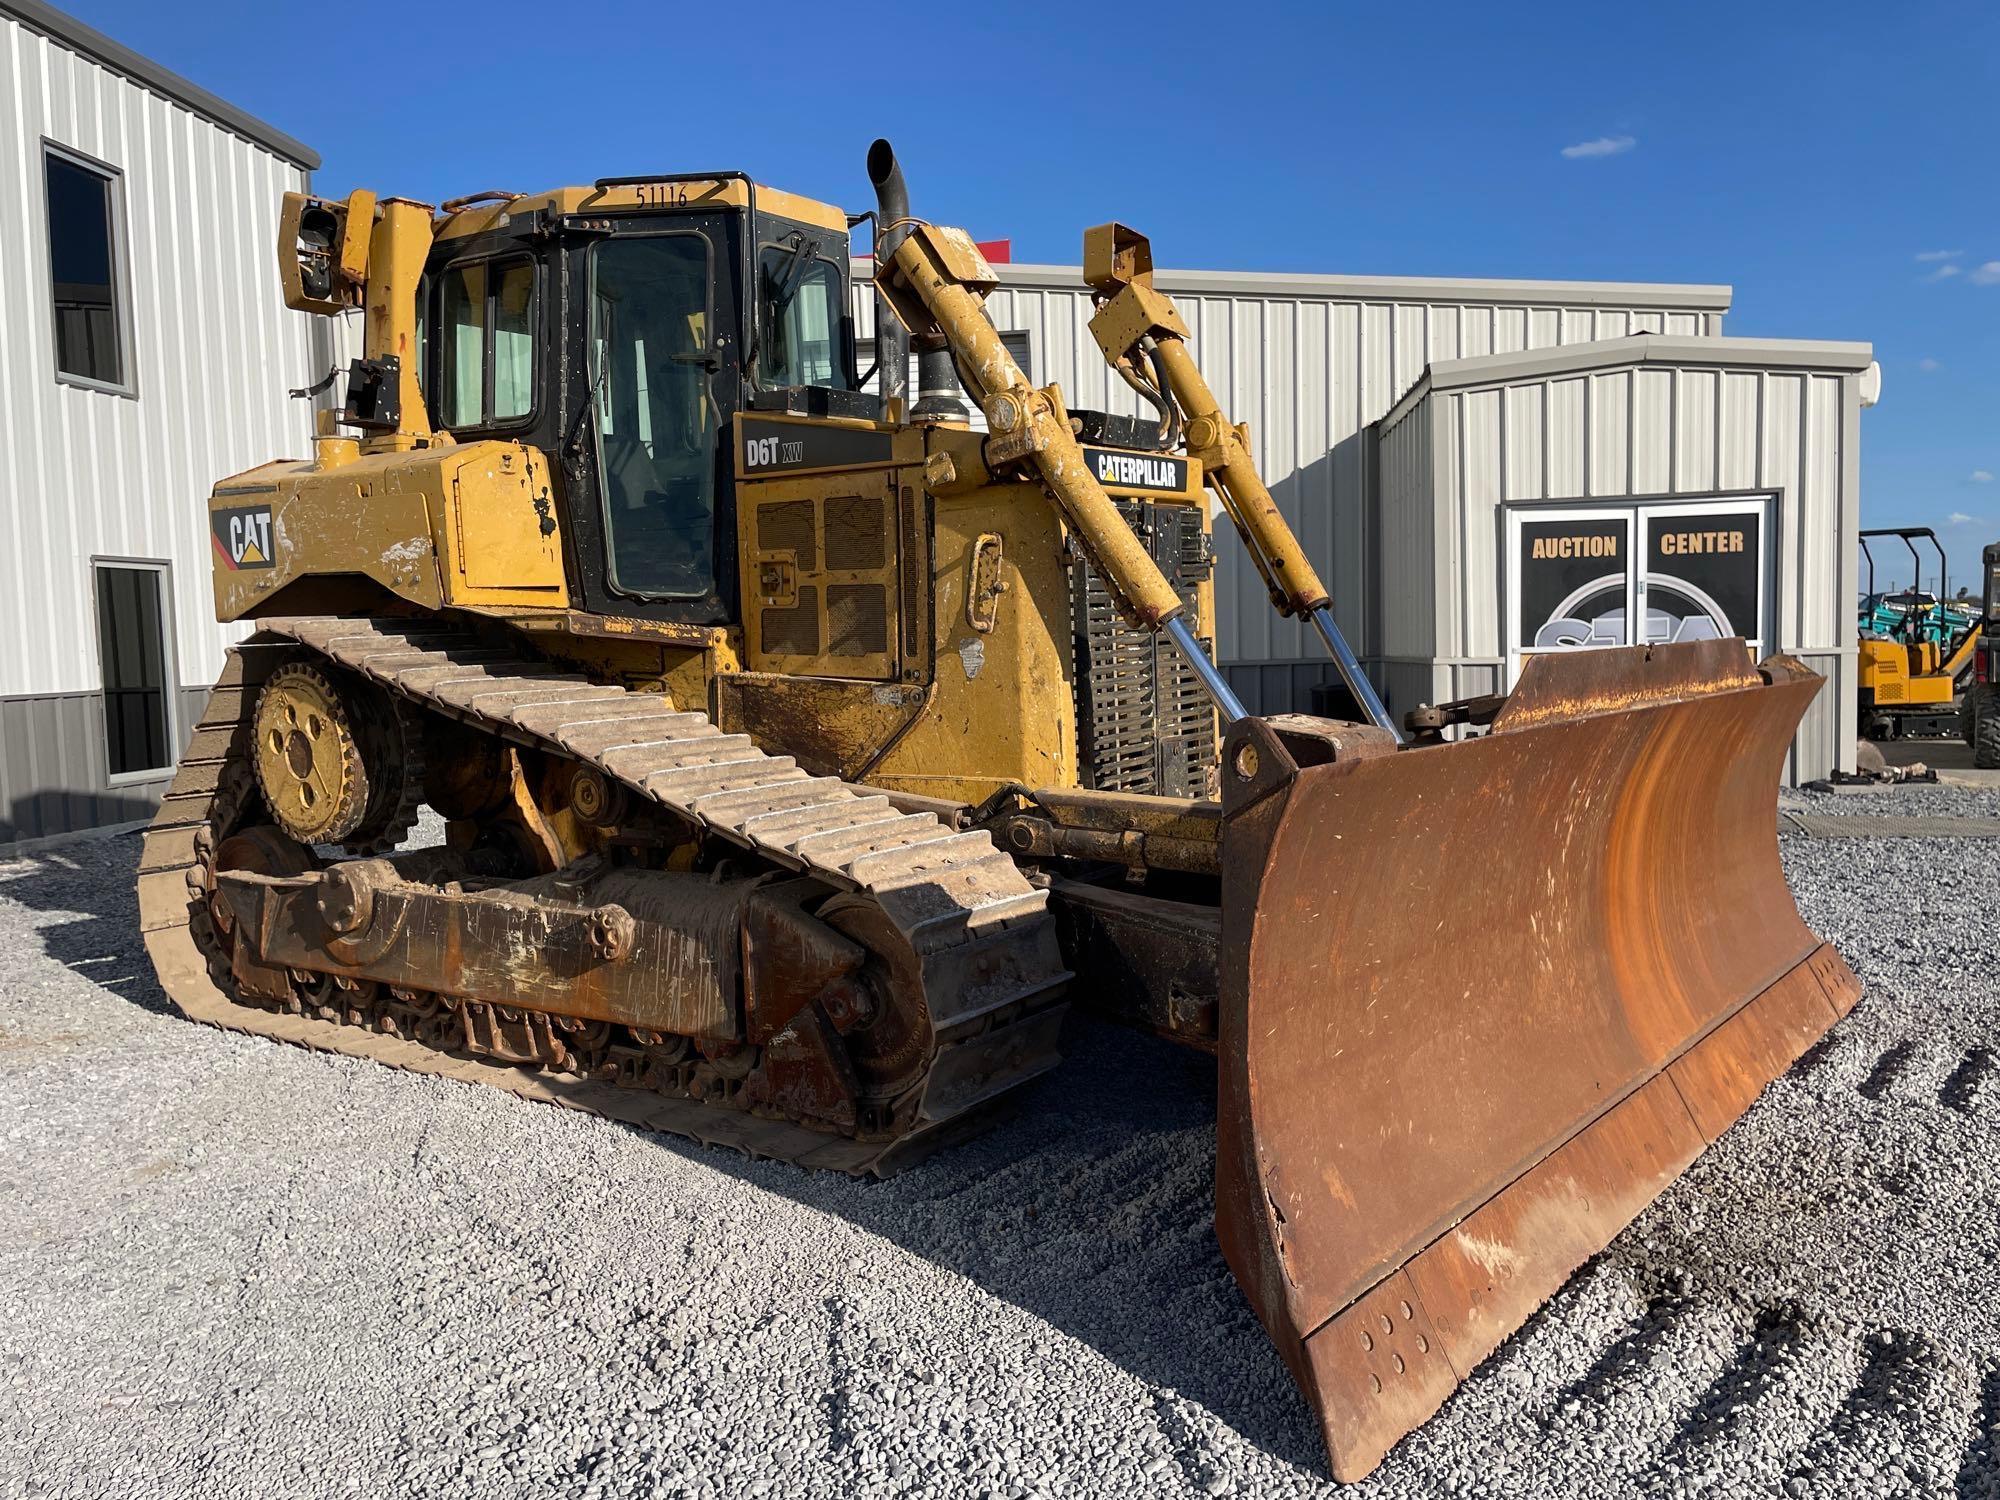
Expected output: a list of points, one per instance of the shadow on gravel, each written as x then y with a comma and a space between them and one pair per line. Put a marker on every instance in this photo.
87, 889
1090, 1207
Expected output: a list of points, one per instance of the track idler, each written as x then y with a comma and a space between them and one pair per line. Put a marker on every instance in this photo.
1482, 1002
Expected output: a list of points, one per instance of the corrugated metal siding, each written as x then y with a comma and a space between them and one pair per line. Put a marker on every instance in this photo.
1649, 430
84, 473
1408, 542
87, 474
1309, 373
1826, 735
52, 765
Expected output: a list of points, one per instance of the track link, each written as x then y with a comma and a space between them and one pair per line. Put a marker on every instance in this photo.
991, 971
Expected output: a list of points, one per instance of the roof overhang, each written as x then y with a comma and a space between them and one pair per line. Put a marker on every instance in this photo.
1648, 295
1679, 350
65, 29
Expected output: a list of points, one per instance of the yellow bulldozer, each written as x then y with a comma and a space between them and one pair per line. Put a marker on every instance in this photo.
804, 752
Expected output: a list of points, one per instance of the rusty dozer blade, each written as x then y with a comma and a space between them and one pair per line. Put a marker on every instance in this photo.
1482, 1002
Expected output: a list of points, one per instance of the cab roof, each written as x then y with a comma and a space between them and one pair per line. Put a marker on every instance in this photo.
626, 197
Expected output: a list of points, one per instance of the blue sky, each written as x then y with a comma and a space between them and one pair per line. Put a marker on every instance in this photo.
1833, 162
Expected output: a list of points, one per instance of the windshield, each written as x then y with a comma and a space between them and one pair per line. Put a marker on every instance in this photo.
656, 418
1993, 588
799, 300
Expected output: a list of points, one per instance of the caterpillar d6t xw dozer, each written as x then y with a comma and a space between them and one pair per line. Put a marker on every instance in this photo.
804, 753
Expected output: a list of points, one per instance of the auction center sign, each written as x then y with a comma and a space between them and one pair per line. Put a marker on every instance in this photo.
1573, 581
1702, 575
1686, 572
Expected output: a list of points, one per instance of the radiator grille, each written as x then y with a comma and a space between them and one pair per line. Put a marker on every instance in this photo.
1143, 722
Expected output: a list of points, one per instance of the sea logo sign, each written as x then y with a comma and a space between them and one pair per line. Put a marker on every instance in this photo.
242, 536
1695, 576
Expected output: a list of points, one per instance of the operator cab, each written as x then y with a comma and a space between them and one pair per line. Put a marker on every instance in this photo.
620, 328
1912, 611
1914, 615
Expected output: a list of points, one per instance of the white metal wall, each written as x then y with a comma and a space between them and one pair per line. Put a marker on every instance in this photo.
1309, 362
1776, 418
85, 474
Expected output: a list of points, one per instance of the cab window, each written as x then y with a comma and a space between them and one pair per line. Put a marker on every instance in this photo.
800, 309
655, 415
486, 322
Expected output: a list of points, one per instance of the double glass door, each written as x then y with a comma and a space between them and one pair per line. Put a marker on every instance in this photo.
1584, 577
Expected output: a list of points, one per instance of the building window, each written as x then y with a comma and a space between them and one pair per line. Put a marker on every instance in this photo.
132, 649
86, 270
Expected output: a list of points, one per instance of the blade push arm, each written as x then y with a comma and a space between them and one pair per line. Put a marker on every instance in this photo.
1134, 321
936, 282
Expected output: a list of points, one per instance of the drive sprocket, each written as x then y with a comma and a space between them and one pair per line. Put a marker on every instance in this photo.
333, 759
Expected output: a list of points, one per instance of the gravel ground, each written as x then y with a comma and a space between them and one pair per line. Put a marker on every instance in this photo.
1914, 799
233, 1268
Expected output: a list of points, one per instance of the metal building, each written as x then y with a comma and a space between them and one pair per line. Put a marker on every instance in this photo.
1540, 391
1310, 361
144, 350
1552, 499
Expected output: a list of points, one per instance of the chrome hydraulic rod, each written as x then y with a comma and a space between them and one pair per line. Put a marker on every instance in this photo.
1226, 702
1137, 326
1351, 673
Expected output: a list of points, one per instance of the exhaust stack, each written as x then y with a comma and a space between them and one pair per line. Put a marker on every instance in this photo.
938, 389
892, 204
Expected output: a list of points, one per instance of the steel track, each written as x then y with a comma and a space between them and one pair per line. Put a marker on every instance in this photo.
981, 935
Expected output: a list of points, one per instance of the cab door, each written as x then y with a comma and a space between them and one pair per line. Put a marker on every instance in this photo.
653, 379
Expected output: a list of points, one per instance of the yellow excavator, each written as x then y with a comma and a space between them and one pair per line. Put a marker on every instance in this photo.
1918, 651
805, 752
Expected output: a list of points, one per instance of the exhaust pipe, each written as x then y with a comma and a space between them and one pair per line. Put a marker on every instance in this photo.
892, 203
938, 389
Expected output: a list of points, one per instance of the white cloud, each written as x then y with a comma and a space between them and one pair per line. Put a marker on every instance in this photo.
1939, 254
1943, 271
1982, 476
1987, 274
1960, 518
1928, 365
1604, 145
